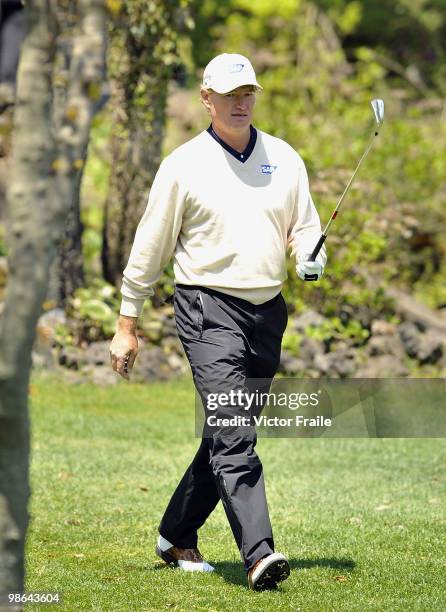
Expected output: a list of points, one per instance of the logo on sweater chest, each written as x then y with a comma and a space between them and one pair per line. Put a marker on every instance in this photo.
267, 168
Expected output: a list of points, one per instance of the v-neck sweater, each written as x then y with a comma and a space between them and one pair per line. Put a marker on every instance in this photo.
242, 156
227, 222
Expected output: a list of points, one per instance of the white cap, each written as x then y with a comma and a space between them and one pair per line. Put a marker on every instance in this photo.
229, 71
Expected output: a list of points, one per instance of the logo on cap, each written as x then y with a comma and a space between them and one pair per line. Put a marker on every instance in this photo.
236, 68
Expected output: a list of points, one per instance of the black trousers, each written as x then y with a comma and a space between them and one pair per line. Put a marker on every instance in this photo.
231, 344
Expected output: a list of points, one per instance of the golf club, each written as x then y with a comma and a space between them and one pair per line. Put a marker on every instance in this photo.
378, 111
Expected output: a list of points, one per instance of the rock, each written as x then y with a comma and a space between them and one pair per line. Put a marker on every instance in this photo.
151, 364
442, 362
309, 318
44, 355
43, 359
406, 305
104, 376
431, 347
53, 317
309, 348
416, 312
410, 337
177, 365
291, 365
323, 363
359, 313
71, 357
340, 345
172, 344
426, 348
93, 363
347, 312
169, 327
340, 363
363, 316
98, 353
153, 330
48, 323
382, 366
380, 327
385, 345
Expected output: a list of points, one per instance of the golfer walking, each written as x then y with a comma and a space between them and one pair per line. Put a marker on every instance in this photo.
226, 205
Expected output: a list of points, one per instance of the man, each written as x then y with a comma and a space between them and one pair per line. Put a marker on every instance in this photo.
226, 205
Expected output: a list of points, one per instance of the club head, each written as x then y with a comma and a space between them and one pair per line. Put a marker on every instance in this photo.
378, 110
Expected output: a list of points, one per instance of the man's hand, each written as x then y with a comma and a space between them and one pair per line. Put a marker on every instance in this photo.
124, 346
309, 267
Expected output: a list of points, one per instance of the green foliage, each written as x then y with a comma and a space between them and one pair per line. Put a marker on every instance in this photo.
335, 329
144, 52
411, 34
93, 312
265, 9
208, 15
94, 192
397, 199
291, 342
432, 290
3, 250
63, 335
348, 19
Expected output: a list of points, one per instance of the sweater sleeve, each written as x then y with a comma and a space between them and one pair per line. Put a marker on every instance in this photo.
305, 229
155, 240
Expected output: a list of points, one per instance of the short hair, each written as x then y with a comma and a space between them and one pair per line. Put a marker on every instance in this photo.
254, 89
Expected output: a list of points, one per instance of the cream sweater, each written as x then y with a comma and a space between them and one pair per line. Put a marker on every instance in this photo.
228, 224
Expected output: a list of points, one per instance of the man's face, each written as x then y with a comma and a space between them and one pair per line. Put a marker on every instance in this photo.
231, 111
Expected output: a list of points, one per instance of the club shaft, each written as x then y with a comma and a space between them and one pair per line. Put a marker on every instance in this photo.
349, 184
378, 109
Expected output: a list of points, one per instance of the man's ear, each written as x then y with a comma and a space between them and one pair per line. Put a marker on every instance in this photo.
205, 99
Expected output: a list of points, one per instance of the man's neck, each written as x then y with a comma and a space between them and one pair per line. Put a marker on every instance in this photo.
237, 140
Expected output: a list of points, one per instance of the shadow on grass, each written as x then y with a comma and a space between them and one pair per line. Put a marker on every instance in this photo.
233, 571
347, 565
230, 571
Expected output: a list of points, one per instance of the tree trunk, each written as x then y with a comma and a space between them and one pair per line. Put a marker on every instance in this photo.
141, 72
71, 270
136, 155
43, 178
29, 257
67, 270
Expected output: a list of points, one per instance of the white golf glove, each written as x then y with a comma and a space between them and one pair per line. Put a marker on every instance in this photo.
309, 267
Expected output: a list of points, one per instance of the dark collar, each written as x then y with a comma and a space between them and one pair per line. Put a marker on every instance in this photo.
244, 155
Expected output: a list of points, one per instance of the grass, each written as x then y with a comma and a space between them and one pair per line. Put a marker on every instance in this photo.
361, 521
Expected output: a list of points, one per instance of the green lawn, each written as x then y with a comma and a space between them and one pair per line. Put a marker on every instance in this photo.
361, 521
